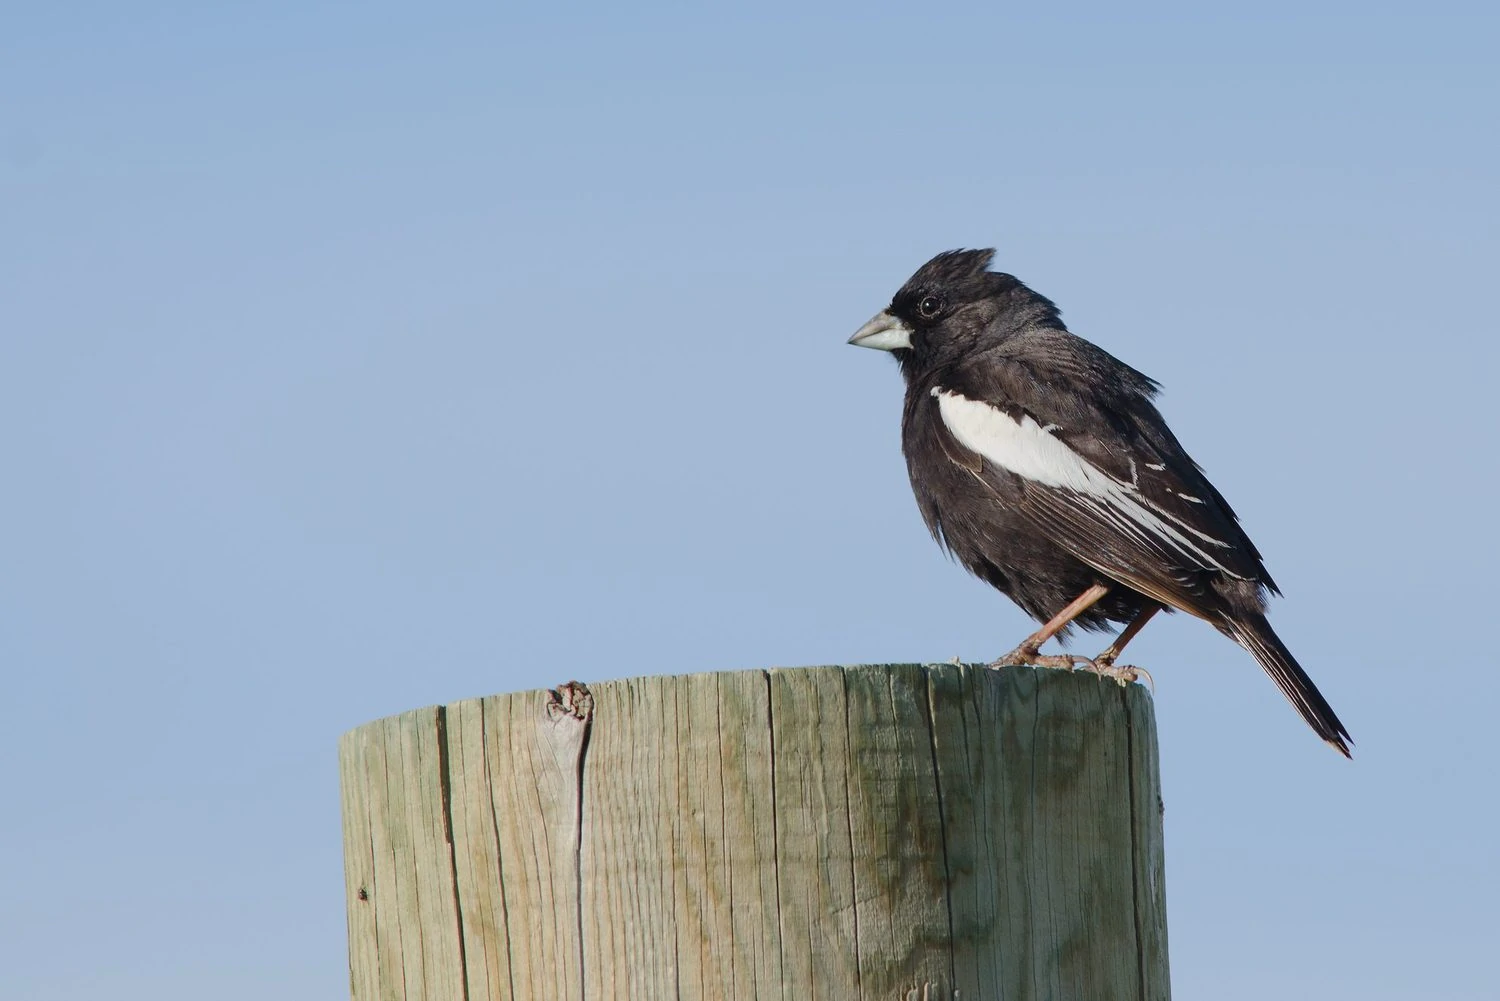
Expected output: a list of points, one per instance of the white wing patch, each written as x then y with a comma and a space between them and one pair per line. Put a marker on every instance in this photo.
1029, 450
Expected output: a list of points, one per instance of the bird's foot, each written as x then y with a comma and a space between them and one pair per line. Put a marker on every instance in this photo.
1027, 656
1063, 661
1123, 674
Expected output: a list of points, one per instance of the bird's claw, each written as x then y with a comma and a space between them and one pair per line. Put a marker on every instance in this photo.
1024, 657
1103, 665
1123, 674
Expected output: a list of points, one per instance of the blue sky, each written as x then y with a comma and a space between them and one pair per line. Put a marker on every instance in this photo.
359, 357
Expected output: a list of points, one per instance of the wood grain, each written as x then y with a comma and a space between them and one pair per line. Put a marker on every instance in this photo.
873, 832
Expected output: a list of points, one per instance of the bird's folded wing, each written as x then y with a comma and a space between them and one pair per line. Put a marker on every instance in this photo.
1101, 476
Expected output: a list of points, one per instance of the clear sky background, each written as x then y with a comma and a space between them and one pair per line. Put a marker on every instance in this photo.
357, 357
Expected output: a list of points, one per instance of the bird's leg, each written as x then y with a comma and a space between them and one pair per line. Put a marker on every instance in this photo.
1028, 652
1113, 651
1104, 664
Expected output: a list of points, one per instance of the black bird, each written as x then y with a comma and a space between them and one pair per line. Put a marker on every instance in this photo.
1040, 462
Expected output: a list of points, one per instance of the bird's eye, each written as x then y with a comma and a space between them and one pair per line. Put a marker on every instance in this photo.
930, 306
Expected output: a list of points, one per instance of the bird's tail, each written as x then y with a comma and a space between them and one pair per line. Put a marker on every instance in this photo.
1254, 633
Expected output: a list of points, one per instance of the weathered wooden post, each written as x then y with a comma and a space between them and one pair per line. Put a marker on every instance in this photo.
877, 832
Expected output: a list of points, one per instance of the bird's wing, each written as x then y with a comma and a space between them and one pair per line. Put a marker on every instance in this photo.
1100, 473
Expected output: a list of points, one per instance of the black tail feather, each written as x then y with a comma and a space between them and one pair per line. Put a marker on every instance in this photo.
1254, 633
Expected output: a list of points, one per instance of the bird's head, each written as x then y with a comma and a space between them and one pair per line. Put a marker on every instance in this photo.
953, 304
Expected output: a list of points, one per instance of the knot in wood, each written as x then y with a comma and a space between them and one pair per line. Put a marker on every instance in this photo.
573, 699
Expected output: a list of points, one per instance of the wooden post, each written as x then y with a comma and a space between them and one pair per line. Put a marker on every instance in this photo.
876, 832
